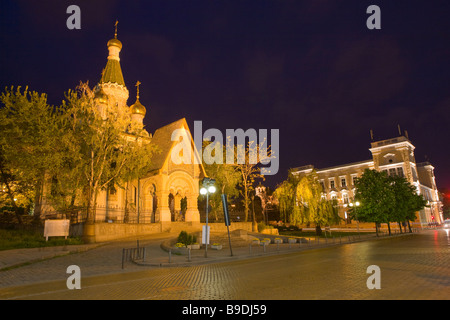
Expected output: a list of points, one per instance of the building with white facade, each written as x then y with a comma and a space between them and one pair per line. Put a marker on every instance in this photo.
394, 156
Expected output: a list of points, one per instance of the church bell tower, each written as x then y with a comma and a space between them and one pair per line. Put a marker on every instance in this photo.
111, 92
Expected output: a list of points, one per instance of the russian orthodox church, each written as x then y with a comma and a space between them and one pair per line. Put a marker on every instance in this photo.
169, 191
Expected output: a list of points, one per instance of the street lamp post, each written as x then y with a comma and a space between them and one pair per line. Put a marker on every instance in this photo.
208, 187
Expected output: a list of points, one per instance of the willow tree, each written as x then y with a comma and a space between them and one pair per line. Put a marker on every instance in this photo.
301, 201
309, 196
285, 195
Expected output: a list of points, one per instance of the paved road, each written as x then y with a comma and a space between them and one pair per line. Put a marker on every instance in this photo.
411, 267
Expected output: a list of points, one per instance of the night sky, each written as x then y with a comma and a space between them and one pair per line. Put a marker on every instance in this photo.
309, 68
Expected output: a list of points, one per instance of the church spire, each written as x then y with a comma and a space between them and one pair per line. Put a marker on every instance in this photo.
113, 71
111, 81
137, 108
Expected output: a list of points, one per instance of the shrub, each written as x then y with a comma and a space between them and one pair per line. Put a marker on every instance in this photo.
186, 238
262, 226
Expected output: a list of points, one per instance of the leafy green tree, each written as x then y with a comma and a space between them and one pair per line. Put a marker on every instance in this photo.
385, 199
407, 201
227, 178
15, 194
29, 144
108, 151
375, 198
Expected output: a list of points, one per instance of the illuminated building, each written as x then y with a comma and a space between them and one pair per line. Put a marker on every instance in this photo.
393, 156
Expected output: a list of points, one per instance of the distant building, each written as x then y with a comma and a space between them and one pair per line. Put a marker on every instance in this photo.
393, 156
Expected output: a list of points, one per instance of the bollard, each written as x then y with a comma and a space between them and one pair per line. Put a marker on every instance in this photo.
170, 256
264, 247
189, 254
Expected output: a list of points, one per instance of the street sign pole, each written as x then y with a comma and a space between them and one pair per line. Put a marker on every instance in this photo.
227, 219
206, 231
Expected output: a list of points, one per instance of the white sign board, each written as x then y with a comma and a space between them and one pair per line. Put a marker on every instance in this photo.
205, 235
56, 228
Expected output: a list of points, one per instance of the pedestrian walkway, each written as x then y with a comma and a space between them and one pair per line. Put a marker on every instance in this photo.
19, 257
26, 266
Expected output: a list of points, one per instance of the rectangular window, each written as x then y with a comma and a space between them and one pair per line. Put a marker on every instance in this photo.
332, 184
343, 182
354, 179
400, 171
392, 172
345, 198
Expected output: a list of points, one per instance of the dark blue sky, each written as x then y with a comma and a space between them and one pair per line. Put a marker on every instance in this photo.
309, 68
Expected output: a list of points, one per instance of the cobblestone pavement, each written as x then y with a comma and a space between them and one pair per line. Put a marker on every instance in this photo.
412, 267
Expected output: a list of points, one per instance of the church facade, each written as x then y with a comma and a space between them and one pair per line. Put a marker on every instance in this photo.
395, 157
169, 191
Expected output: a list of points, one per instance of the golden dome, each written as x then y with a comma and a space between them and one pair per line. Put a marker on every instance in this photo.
138, 108
101, 96
115, 42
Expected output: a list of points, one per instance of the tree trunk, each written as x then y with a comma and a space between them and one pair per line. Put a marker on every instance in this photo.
126, 214
318, 230
409, 227
38, 201
246, 209
90, 207
389, 228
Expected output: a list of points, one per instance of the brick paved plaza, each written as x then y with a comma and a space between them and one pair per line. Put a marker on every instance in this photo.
412, 267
